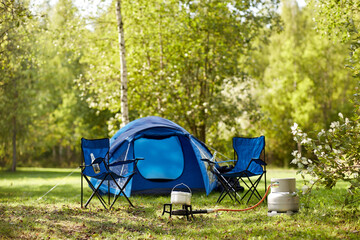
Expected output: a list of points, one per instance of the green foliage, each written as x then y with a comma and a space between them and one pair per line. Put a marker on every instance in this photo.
62, 116
17, 66
203, 64
340, 21
13, 14
179, 59
303, 81
38, 68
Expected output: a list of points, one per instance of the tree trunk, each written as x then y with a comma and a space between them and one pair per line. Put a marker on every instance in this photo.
13, 167
123, 69
60, 153
68, 154
54, 153
161, 62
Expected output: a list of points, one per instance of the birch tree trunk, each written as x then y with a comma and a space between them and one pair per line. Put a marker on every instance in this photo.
123, 69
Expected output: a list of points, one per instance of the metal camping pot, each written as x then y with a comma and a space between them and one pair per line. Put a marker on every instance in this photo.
179, 197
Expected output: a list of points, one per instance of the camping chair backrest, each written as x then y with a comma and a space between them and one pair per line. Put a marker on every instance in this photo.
97, 148
247, 149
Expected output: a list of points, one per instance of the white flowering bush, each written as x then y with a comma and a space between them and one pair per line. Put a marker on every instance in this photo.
335, 154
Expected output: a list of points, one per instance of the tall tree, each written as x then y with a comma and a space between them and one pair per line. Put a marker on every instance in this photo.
179, 55
123, 69
16, 85
63, 116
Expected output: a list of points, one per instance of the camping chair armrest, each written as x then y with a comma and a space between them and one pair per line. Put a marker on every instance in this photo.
96, 161
208, 161
84, 166
257, 161
138, 159
227, 161
125, 162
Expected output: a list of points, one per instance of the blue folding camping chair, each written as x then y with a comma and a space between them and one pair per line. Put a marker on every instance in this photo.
249, 168
96, 165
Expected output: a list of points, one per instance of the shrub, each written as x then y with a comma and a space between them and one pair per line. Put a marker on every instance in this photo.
335, 155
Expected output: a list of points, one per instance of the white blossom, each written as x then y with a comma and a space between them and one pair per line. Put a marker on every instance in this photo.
306, 140
334, 124
294, 161
294, 153
294, 128
304, 160
305, 189
322, 132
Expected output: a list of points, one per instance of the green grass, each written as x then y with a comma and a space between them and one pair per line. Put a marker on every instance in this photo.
58, 214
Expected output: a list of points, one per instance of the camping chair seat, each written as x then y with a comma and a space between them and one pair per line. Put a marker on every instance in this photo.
96, 166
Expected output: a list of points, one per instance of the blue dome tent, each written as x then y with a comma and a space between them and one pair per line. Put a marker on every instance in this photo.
171, 156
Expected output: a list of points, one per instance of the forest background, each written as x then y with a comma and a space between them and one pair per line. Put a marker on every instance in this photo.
218, 68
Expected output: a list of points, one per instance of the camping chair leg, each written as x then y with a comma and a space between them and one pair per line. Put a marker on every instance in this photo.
253, 189
222, 196
94, 190
247, 185
82, 193
236, 195
257, 192
98, 195
122, 190
108, 192
265, 184
231, 191
228, 188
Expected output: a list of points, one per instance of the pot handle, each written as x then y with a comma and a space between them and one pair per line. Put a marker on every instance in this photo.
180, 185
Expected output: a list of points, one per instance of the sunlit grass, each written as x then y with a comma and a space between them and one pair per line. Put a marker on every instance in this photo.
58, 214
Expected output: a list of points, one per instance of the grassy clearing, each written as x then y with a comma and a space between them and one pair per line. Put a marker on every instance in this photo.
58, 215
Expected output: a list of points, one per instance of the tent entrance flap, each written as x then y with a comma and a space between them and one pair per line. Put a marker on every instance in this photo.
164, 158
